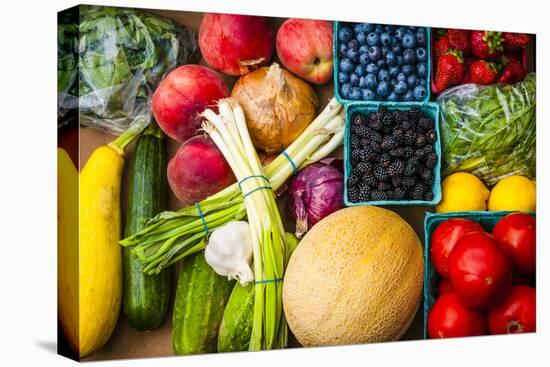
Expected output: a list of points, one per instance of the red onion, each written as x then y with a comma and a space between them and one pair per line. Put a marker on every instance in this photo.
315, 192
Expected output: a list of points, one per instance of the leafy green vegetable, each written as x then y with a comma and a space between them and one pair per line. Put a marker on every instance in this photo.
489, 130
111, 60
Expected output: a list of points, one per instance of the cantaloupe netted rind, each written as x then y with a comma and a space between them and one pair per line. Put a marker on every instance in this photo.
356, 277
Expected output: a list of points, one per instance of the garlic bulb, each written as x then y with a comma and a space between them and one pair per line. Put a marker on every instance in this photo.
229, 251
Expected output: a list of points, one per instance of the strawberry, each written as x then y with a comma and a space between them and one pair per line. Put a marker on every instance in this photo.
450, 69
459, 40
467, 64
441, 46
486, 45
515, 41
511, 56
512, 72
482, 72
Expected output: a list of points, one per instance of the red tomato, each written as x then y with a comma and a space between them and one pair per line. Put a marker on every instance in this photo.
444, 286
516, 314
449, 317
516, 234
480, 271
444, 239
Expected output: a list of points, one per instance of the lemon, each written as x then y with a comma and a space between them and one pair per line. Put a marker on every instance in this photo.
513, 193
462, 192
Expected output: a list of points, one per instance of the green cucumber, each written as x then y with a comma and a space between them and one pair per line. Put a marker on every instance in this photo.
238, 317
145, 297
201, 296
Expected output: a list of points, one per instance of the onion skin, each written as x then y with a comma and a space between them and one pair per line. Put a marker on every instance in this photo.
278, 106
316, 192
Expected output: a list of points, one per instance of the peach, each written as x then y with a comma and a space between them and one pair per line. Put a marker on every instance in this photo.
305, 48
182, 95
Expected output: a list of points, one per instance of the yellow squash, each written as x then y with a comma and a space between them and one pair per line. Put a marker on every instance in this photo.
98, 286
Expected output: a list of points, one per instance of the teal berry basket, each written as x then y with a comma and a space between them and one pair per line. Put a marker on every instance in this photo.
336, 57
487, 220
429, 108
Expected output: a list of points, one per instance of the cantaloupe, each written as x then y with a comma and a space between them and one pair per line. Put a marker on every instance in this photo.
356, 277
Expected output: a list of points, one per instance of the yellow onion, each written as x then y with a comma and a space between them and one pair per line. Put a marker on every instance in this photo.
278, 106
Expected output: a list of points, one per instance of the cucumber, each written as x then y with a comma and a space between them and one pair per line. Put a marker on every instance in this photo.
145, 297
201, 296
236, 326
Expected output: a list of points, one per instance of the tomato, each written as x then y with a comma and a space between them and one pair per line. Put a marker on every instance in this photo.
444, 286
516, 314
444, 239
480, 271
449, 317
516, 234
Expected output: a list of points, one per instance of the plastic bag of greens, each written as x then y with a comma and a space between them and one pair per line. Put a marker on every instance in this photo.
489, 130
122, 54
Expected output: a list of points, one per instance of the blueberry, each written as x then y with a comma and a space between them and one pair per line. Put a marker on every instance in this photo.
354, 79
345, 90
383, 88
378, 28
408, 69
422, 69
394, 71
355, 94
400, 60
373, 39
421, 54
386, 49
422, 81
419, 92
411, 28
343, 50
353, 44
364, 59
401, 87
409, 96
401, 77
385, 38
384, 75
346, 65
361, 38
409, 56
360, 70
343, 77
345, 34
400, 33
364, 49
375, 53
367, 27
362, 82
421, 37
391, 58
353, 54
368, 95
358, 28
381, 63
371, 81
393, 97
397, 48
409, 40
393, 82
388, 28
372, 68
412, 80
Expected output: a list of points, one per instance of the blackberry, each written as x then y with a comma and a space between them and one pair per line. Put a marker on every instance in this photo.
406, 124
370, 180
389, 195
364, 142
376, 146
363, 167
355, 155
396, 181
399, 193
358, 119
397, 152
377, 195
415, 114
355, 141
396, 168
429, 196
367, 154
427, 176
411, 167
396, 115
408, 182
387, 129
364, 193
424, 151
353, 194
420, 140
361, 130
398, 134
431, 160
418, 191
388, 142
408, 152
426, 123
384, 186
374, 135
375, 121
409, 138
380, 173
430, 136
385, 159
353, 179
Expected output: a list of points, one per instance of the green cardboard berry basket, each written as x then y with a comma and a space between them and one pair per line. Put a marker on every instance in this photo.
429, 108
336, 58
487, 220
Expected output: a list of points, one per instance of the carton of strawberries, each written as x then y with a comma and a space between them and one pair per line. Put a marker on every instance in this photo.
480, 57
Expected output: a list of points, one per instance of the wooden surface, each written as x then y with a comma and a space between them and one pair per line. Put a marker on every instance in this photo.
126, 342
